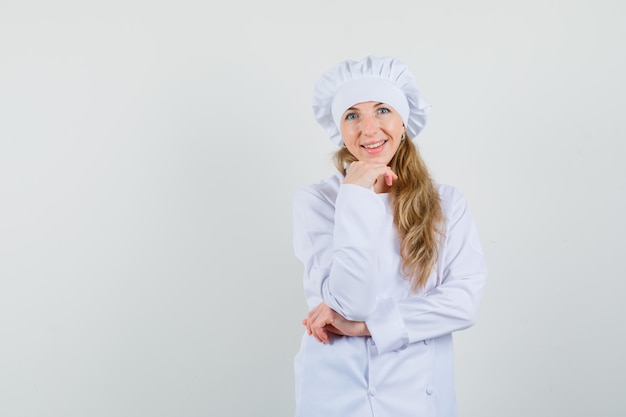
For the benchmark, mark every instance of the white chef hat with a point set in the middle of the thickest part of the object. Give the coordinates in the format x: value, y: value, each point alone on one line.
x: 382, y: 79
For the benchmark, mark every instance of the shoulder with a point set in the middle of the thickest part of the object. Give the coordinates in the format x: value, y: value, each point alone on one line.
x: 322, y: 192
x: 448, y: 193
x: 453, y: 201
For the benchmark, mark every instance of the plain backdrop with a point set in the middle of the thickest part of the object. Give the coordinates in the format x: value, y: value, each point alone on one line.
x: 150, y: 150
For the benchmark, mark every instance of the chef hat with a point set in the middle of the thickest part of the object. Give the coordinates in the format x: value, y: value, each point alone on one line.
x: 382, y: 79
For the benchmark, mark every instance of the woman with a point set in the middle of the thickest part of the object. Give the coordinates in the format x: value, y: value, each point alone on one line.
x: 392, y: 261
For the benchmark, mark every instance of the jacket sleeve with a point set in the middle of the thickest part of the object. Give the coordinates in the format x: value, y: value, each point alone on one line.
x: 448, y: 306
x: 336, y: 242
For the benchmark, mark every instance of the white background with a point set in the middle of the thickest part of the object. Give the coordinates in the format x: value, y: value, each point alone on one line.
x: 149, y: 152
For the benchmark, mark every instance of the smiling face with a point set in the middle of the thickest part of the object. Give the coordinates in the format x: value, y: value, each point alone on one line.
x: 372, y: 131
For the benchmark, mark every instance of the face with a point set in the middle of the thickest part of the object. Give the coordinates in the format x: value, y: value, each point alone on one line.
x: 372, y: 131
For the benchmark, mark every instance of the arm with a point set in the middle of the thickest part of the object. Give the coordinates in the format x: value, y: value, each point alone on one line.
x: 337, y: 245
x: 449, y: 306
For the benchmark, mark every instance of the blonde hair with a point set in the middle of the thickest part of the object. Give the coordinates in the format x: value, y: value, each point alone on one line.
x: 418, y: 215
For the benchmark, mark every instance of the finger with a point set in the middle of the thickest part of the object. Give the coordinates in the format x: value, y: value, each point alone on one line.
x: 317, y: 324
x: 316, y: 335
x: 314, y: 322
x: 305, y: 322
x: 322, y: 336
x: 318, y: 329
x: 313, y: 327
x: 390, y: 176
x: 311, y: 318
x: 328, y: 323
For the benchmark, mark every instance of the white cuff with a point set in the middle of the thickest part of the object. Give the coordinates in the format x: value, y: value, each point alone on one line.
x: 387, y: 327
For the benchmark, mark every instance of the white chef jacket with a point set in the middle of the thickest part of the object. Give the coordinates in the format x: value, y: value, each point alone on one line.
x: 345, y: 237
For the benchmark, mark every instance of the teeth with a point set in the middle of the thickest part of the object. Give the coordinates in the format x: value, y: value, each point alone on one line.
x: 374, y: 145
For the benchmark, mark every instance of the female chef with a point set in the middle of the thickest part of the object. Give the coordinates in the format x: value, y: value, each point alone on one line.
x: 392, y: 261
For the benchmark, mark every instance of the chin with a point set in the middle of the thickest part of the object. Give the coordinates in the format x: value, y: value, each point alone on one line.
x: 380, y: 159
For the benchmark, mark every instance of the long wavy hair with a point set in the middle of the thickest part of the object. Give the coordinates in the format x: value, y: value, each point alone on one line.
x: 418, y: 215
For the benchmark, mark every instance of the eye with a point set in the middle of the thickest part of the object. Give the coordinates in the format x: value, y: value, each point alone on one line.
x: 383, y: 110
x: 350, y: 116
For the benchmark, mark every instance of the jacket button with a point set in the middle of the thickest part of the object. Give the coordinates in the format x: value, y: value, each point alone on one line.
x: 429, y: 390
x: 372, y: 392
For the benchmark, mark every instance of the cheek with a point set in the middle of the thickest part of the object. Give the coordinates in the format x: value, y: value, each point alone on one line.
x: 351, y: 144
x: 346, y: 129
x: 352, y: 147
x: 348, y: 135
x: 393, y: 125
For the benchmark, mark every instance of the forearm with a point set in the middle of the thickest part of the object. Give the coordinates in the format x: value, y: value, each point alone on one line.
x: 359, y: 216
x: 450, y: 301
x: 446, y: 309
x: 338, y: 246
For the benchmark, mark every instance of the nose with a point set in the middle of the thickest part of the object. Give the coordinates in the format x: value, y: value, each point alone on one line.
x: 370, y: 125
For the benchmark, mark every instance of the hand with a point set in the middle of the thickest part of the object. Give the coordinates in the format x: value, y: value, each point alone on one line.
x: 367, y: 174
x: 323, y: 320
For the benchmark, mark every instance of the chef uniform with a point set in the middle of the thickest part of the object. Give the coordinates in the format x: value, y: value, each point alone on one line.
x: 345, y: 236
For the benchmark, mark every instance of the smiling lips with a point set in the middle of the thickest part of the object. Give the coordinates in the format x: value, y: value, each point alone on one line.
x: 375, y: 145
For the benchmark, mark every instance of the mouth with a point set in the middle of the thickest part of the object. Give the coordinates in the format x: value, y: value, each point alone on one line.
x: 374, y: 145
